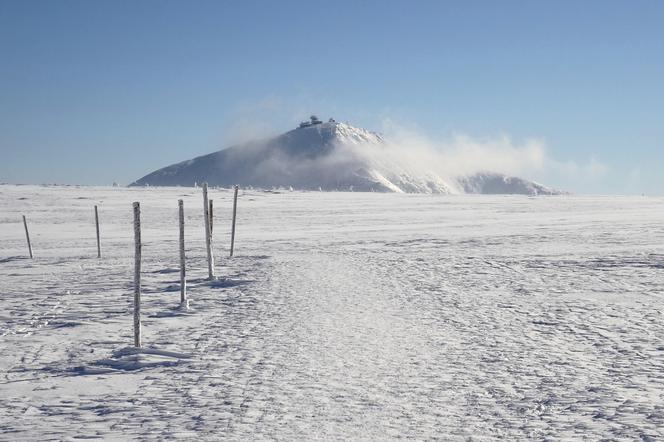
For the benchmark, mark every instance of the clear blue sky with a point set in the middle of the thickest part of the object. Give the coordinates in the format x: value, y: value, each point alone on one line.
x: 93, y: 92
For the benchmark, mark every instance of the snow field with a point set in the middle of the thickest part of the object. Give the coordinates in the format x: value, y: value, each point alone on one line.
x: 342, y: 316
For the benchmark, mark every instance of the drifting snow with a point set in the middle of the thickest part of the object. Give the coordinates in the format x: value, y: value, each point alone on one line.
x: 343, y: 316
x: 329, y: 156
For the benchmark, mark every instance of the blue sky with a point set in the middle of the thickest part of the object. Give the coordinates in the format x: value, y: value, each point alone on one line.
x: 93, y: 92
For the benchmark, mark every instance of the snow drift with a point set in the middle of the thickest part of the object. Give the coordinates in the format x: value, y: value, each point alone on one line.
x: 330, y: 156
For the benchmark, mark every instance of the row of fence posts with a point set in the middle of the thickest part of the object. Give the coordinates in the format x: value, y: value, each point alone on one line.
x: 209, y: 222
x: 27, y: 234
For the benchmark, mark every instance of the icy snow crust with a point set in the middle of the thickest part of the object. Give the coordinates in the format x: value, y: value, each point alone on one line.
x: 328, y: 156
x: 343, y: 316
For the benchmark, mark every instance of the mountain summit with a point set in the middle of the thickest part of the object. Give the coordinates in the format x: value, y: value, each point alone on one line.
x: 325, y: 156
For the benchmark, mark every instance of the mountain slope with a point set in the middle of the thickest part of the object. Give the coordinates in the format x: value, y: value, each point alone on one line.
x: 325, y: 156
x: 496, y: 183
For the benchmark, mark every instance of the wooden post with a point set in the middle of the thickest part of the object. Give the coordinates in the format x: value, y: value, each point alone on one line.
x: 208, y: 233
x: 27, y: 236
x: 137, y: 275
x: 211, y: 210
x: 97, y: 226
x: 233, y: 226
x: 183, y: 278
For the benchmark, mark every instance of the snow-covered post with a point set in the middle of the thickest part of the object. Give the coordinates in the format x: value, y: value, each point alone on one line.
x: 27, y: 236
x: 183, y: 278
x: 233, y: 226
x: 208, y: 233
x: 97, y: 226
x: 211, y: 210
x: 137, y: 275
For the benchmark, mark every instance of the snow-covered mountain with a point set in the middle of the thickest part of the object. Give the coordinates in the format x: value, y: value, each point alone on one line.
x: 326, y: 156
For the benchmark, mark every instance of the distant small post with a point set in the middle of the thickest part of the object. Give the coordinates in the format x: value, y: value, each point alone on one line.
x: 211, y: 210
x: 137, y: 274
x: 27, y: 236
x: 208, y: 233
x: 233, y: 226
x: 97, y: 226
x: 183, y: 278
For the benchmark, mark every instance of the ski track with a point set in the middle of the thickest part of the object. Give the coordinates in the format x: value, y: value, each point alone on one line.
x: 344, y: 316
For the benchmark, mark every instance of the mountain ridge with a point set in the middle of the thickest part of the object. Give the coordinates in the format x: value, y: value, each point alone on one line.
x: 327, y: 156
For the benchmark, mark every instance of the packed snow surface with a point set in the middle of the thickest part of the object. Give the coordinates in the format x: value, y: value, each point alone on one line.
x: 342, y: 316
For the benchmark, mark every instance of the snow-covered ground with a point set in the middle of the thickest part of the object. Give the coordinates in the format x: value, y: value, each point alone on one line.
x: 342, y: 315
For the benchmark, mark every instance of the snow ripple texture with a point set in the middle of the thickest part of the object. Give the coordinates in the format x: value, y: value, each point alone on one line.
x: 343, y: 316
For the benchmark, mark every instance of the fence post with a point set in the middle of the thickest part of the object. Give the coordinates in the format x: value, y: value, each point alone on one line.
x: 97, y: 226
x: 211, y: 210
x: 233, y: 226
x: 208, y: 236
x: 183, y: 278
x: 27, y: 236
x: 137, y: 275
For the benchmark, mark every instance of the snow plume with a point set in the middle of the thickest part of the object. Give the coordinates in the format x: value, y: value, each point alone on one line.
x: 463, y: 155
